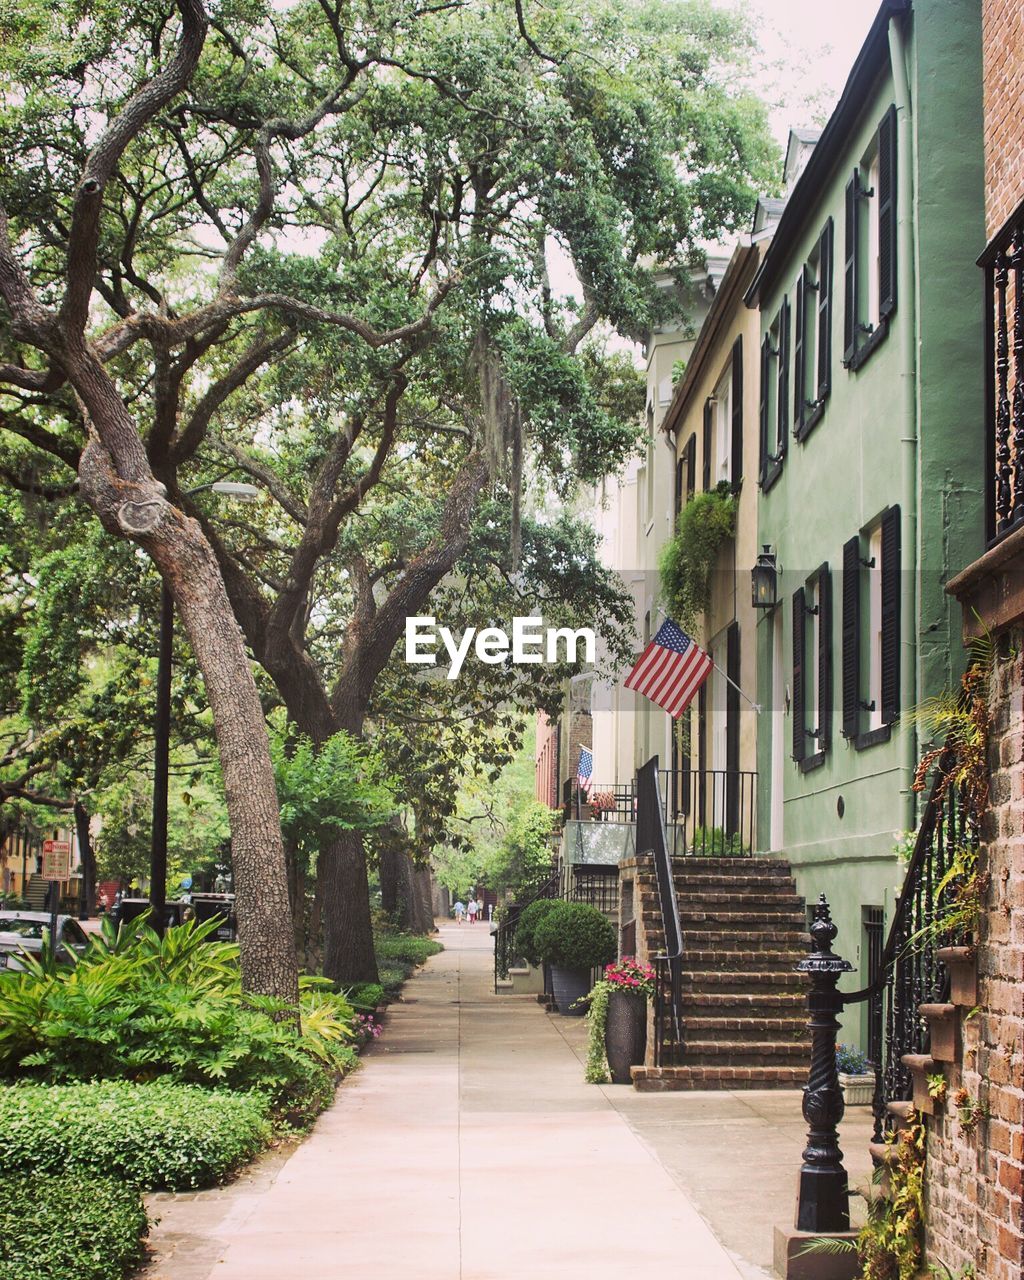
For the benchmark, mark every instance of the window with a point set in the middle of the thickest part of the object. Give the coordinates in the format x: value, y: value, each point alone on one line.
x: 812, y: 669
x: 774, y: 409
x: 812, y: 346
x: 871, y: 631
x: 870, y: 248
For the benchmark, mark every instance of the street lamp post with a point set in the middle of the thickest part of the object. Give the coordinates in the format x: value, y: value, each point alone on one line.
x: 162, y: 724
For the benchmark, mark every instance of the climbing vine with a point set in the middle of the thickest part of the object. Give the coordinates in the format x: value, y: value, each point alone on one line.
x: 689, y: 558
x: 890, y: 1242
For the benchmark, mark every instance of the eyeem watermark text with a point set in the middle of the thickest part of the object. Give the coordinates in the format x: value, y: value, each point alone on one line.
x: 531, y: 641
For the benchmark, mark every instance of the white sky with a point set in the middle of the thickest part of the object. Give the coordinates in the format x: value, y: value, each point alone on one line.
x: 812, y: 44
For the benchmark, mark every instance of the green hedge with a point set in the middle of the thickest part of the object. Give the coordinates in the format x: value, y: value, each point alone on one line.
x: 157, y: 1135
x: 68, y: 1227
x: 526, y: 927
x: 398, y: 954
x: 575, y: 935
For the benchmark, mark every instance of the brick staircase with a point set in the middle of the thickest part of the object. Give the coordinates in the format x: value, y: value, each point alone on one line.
x: 744, y: 1007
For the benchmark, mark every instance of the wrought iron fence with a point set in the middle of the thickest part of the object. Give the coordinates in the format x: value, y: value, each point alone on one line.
x: 602, y: 801
x: 505, y: 931
x: 1003, y: 264
x: 710, y: 812
x: 597, y: 884
x: 909, y: 971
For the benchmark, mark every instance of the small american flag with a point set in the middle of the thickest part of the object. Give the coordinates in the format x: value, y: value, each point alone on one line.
x: 586, y: 768
x: 671, y: 669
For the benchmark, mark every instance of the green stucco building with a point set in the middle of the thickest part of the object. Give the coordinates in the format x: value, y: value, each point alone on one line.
x: 870, y: 468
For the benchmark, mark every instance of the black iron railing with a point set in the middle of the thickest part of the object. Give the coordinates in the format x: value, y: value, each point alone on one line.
x: 597, y: 884
x: 505, y: 932
x: 651, y: 842
x: 1003, y: 263
x: 713, y: 811
x: 909, y: 971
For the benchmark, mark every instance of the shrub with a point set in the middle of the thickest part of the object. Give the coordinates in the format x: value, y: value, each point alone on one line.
x: 526, y: 928
x: 66, y: 1225
x: 575, y: 935
x: 398, y: 954
x: 158, y: 1135
x: 850, y: 1060
x: 138, y: 1006
x: 365, y: 996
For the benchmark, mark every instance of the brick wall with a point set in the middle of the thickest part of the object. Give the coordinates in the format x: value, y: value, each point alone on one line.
x: 1003, y: 36
x: 973, y: 1188
x: 547, y: 787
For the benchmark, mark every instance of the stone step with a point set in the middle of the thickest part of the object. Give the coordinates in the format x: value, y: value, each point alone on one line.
x: 689, y: 1078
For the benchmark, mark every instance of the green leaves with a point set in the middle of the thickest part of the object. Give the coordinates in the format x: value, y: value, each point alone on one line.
x: 687, y: 562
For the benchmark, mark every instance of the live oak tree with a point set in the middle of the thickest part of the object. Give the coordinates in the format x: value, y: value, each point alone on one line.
x: 311, y: 245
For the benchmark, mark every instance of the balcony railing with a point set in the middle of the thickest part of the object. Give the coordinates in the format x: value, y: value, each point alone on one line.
x: 604, y: 801
x: 1003, y: 263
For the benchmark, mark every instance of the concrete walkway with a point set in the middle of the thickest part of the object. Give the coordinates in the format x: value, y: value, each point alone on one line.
x: 469, y: 1148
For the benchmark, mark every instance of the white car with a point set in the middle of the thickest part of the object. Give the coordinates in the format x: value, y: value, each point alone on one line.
x: 24, y: 931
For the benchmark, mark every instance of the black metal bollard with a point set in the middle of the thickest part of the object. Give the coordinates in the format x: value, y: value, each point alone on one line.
x: 823, y: 1202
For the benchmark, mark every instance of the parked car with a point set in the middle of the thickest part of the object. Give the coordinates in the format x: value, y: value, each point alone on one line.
x: 208, y: 905
x: 131, y: 908
x: 24, y: 931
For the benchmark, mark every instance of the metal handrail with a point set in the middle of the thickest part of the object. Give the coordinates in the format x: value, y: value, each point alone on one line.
x: 650, y: 839
x: 505, y: 931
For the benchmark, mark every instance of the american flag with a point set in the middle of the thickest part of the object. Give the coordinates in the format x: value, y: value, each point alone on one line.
x: 586, y: 768
x: 671, y: 669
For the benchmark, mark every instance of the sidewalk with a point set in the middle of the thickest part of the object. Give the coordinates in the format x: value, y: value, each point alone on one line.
x: 469, y: 1148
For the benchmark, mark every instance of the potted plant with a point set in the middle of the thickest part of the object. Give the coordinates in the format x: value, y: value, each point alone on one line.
x: 618, y: 1021
x: 855, y: 1076
x: 574, y: 938
x: 601, y: 802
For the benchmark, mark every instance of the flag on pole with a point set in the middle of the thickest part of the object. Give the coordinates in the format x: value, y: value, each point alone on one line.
x: 586, y: 768
x: 671, y: 669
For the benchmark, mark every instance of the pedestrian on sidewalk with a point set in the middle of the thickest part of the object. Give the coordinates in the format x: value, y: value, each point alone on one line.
x: 460, y: 911
x: 471, y: 910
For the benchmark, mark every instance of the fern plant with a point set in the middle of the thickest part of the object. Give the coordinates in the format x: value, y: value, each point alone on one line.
x: 688, y: 560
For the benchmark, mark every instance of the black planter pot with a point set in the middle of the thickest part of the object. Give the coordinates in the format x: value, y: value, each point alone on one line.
x: 625, y: 1034
x: 569, y: 986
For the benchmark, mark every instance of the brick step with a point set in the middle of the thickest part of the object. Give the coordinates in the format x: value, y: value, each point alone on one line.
x: 756, y: 901
x: 726, y: 1003
x: 738, y: 961
x: 746, y: 940
x: 788, y: 920
x: 748, y: 1030
x: 734, y: 884
x: 691, y: 863
x: 689, y: 1078
x: 711, y: 979
x: 747, y: 1053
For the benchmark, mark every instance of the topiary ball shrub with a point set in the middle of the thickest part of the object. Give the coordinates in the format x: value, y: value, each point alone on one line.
x: 154, y: 1135
x: 575, y: 935
x: 526, y: 928
x: 67, y: 1225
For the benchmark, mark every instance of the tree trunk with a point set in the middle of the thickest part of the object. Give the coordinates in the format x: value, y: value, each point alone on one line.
x: 130, y: 502
x: 424, y: 887
x: 296, y: 869
x: 348, y: 935
x: 87, y: 897
x: 388, y: 871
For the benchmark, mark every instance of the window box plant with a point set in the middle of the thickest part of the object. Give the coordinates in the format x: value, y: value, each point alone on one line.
x: 602, y: 803
x: 855, y: 1076
x: 574, y: 938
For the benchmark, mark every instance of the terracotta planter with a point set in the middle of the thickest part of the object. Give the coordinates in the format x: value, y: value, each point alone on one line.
x: 625, y: 1034
x: 570, y: 986
x: 962, y: 964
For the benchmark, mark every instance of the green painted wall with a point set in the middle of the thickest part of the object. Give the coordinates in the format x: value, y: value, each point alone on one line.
x: 923, y: 383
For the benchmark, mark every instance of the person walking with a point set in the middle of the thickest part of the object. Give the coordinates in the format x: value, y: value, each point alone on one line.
x: 471, y: 910
x: 460, y: 911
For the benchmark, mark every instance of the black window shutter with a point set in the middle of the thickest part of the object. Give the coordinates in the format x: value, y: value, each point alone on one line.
x: 799, y: 370
x: 763, y: 410
x: 850, y: 271
x: 702, y: 752
x: 736, y: 463
x: 691, y: 465
x: 887, y: 214
x: 783, y: 393
x: 890, y: 615
x: 680, y: 482
x: 706, y: 446
x: 732, y: 730
x: 851, y: 637
x: 824, y: 658
x: 825, y: 312
x: 799, y: 719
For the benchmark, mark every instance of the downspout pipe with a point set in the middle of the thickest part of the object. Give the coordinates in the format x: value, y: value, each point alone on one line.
x: 910, y: 602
